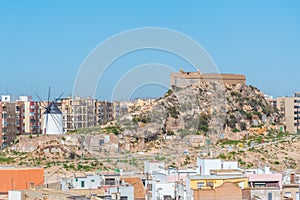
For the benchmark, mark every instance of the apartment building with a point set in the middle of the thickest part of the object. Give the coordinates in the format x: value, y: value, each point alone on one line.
x: 78, y: 112
x: 10, y: 122
x: 18, y: 116
x: 290, y: 109
x: 104, y: 112
x: 31, y: 119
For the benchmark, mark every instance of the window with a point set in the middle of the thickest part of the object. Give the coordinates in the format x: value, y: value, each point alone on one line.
x: 269, y: 196
x: 76, y: 179
x: 259, y: 185
x: 109, y: 181
x: 82, y: 184
x: 200, y: 185
x: 149, y: 186
x: 297, y: 196
x: 93, y: 180
x: 288, y: 194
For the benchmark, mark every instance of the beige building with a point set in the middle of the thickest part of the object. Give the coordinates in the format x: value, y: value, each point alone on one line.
x: 291, y: 185
x: 120, y: 108
x: 104, y: 112
x: 78, y: 112
x: 84, y: 112
x: 290, y: 109
x: 32, y: 115
x: 184, y: 79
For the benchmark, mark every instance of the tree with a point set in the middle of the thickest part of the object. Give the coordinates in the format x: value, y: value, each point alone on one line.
x: 243, y: 126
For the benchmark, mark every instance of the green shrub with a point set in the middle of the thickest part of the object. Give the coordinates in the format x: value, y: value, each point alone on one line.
x: 243, y: 126
x: 276, y: 163
x: 235, y: 130
x: 170, y: 133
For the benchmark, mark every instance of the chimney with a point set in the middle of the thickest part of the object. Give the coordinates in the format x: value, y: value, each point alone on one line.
x: 292, y: 179
x: 267, y: 170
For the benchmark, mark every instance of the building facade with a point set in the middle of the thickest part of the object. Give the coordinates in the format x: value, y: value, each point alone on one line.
x: 218, y: 187
x: 104, y: 112
x: 77, y: 112
x: 265, y: 186
x: 120, y: 109
x: 32, y: 115
x: 12, y: 119
x: 205, y: 166
x: 289, y: 107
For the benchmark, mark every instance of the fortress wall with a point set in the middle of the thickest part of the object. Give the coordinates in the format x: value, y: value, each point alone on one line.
x: 183, y: 79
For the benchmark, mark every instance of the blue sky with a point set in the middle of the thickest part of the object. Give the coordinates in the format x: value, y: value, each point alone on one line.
x: 43, y: 43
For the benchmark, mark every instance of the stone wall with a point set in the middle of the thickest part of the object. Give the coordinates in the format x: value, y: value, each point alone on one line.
x: 184, y: 79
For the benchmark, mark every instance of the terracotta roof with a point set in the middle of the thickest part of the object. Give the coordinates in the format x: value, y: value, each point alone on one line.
x: 136, y: 182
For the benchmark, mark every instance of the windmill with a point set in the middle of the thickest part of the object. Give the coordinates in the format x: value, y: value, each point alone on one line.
x: 53, y: 124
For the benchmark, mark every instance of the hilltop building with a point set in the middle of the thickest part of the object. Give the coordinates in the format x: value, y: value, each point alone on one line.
x: 183, y: 79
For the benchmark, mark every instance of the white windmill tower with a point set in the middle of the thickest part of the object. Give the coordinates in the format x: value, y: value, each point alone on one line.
x: 53, y: 124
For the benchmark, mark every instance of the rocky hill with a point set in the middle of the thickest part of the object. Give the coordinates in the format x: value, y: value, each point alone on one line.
x: 233, y: 122
x: 210, y: 109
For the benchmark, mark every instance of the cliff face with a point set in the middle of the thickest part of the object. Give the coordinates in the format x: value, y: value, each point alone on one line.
x: 210, y: 109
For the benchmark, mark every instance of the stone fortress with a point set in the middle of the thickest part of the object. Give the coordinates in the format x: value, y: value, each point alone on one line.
x: 183, y: 79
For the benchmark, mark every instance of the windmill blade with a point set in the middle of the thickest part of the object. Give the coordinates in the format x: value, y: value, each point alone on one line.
x: 49, y: 91
x: 55, y: 100
x: 44, y: 105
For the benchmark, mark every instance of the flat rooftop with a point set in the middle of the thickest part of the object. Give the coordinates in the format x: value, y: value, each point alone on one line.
x: 214, y: 177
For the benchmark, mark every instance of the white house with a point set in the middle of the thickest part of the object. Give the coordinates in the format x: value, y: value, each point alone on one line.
x: 81, y: 181
x: 153, y: 166
x: 163, y: 190
x: 205, y: 165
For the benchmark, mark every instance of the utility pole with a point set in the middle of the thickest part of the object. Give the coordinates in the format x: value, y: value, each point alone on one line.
x: 147, y: 185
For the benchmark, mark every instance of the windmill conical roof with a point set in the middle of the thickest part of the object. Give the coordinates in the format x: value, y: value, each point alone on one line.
x: 52, y: 109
